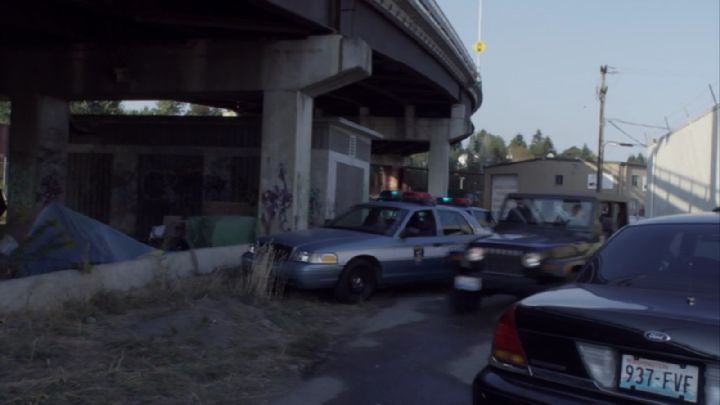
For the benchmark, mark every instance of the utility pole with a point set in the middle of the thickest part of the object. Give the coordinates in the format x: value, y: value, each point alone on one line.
x: 601, y: 140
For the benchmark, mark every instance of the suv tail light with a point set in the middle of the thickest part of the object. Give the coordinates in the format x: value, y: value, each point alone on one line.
x: 507, y: 346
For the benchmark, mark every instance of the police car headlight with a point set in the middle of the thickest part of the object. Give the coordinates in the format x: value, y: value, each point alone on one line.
x: 315, y: 258
x: 532, y: 259
x: 474, y: 254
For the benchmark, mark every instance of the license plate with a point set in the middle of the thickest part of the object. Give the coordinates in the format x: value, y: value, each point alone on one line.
x: 659, y: 377
x: 468, y: 283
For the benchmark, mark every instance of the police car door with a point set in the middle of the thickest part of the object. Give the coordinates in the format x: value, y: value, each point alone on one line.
x: 418, y: 238
x: 455, y: 233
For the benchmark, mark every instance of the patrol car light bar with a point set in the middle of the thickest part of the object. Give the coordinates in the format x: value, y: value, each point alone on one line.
x: 417, y: 196
x: 460, y: 202
x: 408, y: 196
x: 390, y: 195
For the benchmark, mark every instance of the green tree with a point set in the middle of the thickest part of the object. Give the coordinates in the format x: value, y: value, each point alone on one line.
x: 639, y: 159
x: 518, y: 149
x: 418, y: 160
x: 541, y: 146
x: 572, y: 152
x: 548, y: 146
x: 96, y: 107
x: 485, y: 149
x: 203, y: 110
x: 536, y: 144
x: 4, y: 112
x: 456, y: 152
x: 519, y: 140
x: 587, y: 154
x: 168, y: 107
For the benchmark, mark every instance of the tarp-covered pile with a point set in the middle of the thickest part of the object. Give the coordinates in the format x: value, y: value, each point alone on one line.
x: 61, y: 239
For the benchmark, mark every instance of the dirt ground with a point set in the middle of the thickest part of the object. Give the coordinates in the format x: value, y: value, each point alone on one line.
x: 197, y: 340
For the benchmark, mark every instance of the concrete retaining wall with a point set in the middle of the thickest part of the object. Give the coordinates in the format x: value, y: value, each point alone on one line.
x: 48, y: 291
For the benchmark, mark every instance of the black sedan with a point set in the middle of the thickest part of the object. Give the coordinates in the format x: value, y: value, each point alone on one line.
x: 641, y: 325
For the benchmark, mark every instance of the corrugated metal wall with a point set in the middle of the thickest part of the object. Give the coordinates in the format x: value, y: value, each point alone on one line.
x: 90, y: 189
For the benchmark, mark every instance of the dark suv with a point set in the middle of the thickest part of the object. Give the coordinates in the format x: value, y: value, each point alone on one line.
x: 540, y: 241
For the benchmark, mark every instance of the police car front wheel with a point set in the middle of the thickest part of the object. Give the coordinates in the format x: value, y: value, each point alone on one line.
x: 357, y: 282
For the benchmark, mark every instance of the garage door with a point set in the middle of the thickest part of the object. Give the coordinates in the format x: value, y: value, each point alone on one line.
x: 502, y: 185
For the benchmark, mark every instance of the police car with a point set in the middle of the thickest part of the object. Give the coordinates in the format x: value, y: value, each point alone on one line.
x: 400, y: 238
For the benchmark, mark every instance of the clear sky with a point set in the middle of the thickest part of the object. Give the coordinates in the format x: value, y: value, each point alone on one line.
x: 541, y: 67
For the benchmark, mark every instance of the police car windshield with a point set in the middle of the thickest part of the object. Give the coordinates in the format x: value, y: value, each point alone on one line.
x: 557, y: 212
x: 371, y: 219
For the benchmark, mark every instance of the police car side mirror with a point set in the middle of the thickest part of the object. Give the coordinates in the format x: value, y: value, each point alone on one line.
x: 409, y: 232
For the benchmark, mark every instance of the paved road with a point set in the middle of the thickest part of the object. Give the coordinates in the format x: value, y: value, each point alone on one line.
x: 411, y: 352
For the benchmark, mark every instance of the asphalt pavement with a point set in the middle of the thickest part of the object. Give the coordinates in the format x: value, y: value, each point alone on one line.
x: 413, y: 351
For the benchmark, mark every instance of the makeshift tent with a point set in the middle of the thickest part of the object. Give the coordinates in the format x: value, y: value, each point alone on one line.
x: 61, y: 239
x: 213, y: 231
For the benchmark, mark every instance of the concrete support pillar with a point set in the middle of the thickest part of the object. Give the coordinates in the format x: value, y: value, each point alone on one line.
x: 293, y: 73
x: 410, y: 122
x: 37, y: 166
x: 438, y: 164
x: 285, y: 161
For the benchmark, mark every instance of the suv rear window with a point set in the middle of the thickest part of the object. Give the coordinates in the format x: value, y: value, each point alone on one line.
x: 674, y: 257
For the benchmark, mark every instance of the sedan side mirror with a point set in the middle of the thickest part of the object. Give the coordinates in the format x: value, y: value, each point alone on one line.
x: 409, y: 232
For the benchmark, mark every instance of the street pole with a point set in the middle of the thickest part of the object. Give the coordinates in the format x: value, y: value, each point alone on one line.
x: 479, y: 36
x: 601, y: 94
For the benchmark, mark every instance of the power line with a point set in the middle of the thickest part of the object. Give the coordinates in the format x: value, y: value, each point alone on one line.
x: 626, y: 134
x: 636, y: 124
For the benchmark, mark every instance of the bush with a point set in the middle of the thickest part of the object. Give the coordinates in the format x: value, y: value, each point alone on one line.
x: 262, y: 281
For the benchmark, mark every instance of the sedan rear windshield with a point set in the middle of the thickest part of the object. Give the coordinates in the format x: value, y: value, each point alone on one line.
x: 371, y: 219
x: 674, y: 257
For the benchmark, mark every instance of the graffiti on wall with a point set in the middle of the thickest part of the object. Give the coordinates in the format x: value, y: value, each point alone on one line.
x: 276, y: 204
x: 52, y: 175
x: 50, y: 188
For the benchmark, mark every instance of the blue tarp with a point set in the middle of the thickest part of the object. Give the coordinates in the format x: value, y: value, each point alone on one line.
x: 62, y: 239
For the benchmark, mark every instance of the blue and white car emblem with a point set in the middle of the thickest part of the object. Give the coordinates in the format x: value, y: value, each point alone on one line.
x: 657, y: 336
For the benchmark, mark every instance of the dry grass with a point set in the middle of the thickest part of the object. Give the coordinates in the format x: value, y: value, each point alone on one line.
x: 199, y: 340
x: 261, y: 281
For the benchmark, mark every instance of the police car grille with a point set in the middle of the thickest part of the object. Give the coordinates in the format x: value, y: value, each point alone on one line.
x: 503, y: 264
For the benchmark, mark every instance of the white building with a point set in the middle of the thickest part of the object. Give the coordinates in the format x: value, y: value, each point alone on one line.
x: 683, y: 169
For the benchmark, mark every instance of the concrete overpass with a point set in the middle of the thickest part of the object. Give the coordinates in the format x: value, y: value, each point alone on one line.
x: 322, y: 77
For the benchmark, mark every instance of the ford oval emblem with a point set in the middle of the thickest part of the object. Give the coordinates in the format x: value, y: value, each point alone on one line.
x: 657, y: 336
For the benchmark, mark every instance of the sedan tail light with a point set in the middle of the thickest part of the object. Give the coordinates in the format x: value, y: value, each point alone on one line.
x: 507, y: 346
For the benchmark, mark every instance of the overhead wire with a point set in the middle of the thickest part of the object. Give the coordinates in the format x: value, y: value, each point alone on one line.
x: 636, y: 124
x: 611, y: 122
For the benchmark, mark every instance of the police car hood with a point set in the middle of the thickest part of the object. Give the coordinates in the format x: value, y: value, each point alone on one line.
x: 314, y: 240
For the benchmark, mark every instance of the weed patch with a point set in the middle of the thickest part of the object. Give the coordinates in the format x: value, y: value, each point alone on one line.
x: 198, y: 340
